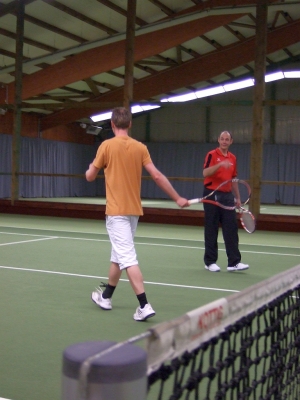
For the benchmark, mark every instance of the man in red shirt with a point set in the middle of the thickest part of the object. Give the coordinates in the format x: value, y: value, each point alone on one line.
x: 220, y: 166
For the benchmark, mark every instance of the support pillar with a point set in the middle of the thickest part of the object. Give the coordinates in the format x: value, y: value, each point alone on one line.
x: 129, y: 57
x: 17, y: 125
x: 258, y: 107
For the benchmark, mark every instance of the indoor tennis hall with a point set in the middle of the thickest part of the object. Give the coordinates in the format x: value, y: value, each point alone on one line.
x: 191, y: 72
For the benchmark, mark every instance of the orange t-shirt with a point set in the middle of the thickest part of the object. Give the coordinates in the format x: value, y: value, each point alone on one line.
x: 122, y: 159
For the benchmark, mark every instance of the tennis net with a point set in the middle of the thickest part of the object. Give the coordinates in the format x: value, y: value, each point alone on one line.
x: 245, y: 346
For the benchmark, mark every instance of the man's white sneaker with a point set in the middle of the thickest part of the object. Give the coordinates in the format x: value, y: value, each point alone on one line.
x: 212, y: 268
x: 97, y: 298
x: 238, y: 267
x: 142, y: 314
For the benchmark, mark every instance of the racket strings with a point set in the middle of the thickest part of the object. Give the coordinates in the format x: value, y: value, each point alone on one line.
x: 244, y: 192
x: 248, y: 221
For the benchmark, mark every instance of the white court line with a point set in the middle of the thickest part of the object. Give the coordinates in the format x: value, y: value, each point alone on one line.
x: 54, y: 237
x: 105, y: 277
x: 158, y: 244
x: 28, y: 241
x: 191, y: 247
x: 136, y: 237
x: 2, y: 398
x: 268, y: 253
x: 24, y: 234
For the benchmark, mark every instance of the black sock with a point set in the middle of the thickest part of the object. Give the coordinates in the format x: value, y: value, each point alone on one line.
x: 142, y: 299
x: 108, y: 292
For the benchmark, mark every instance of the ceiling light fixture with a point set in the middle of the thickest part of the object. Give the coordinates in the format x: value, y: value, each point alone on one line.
x: 274, y: 76
x: 134, y: 109
x: 209, y: 92
x: 212, y: 91
x: 238, y: 85
x: 291, y: 74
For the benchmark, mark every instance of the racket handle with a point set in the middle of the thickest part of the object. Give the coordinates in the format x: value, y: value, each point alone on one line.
x: 194, y: 201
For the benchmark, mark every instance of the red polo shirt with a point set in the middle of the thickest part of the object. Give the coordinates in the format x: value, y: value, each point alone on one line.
x: 223, y: 174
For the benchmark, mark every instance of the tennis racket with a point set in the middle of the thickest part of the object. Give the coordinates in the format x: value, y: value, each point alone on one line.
x: 247, y: 220
x: 218, y: 198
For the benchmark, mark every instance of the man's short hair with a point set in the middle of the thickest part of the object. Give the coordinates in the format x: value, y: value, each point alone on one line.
x: 226, y: 132
x: 121, y: 117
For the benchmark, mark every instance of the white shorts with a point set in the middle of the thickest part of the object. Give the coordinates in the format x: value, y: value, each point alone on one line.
x: 121, y: 230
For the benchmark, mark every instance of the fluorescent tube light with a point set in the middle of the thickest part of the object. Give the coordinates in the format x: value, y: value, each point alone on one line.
x: 274, y: 77
x: 209, y: 92
x: 134, y: 109
x: 238, y: 85
x: 182, y: 97
x: 204, y: 93
x: 101, y: 117
x: 149, y: 107
x: 291, y: 74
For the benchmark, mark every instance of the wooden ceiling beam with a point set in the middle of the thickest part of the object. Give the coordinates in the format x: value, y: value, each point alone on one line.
x: 170, y: 13
x: 30, y: 42
x: 191, y: 52
x: 215, y: 63
x: 105, y: 58
x: 215, y: 4
x: 105, y: 85
x: 212, y: 42
x: 178, y: 55
x: 116, y: 74
x: 10, y: 54
x: 121, y: 11
x: 92, y: 85
x: 188, y: 73
x: 81, y: 17
x: 145, y: 68
x: 167, y: 63
x: 89, y: 105
x: 237, y: 34
x: 54, y: 29
x: 162, y: 7
x: 61, y: 97
x: 76, y: 91
x: 11, y: 7
x: 239, y: 24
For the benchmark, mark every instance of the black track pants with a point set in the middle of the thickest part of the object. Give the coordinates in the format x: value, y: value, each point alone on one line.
x: 214, y: 216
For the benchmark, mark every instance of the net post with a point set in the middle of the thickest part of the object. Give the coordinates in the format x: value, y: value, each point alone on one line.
x: 104, y: 370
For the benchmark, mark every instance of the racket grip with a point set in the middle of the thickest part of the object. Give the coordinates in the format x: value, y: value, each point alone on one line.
x: 193, y: 201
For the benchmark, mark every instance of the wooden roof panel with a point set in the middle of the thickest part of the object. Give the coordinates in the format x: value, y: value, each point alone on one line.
x: 66, y: 30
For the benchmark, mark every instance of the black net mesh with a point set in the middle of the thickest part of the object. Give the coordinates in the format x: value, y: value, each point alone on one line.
x: 256, y: 358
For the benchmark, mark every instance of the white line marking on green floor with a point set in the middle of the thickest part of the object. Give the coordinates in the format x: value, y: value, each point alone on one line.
x: 28, y: 241
x: 136, y: 237
x: 163, y: 245
x: 124, y: 280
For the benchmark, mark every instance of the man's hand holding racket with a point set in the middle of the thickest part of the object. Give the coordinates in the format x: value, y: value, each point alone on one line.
x: 182, y: 202
x: 241, y: 192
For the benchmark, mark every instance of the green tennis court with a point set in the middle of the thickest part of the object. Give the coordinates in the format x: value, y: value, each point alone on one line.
x: 49, y: 267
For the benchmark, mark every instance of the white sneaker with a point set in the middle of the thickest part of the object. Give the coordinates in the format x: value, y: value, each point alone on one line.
x: 238, y: 267
x: 142, y: 314
x: 97, y: 298
x: 213, y: 268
